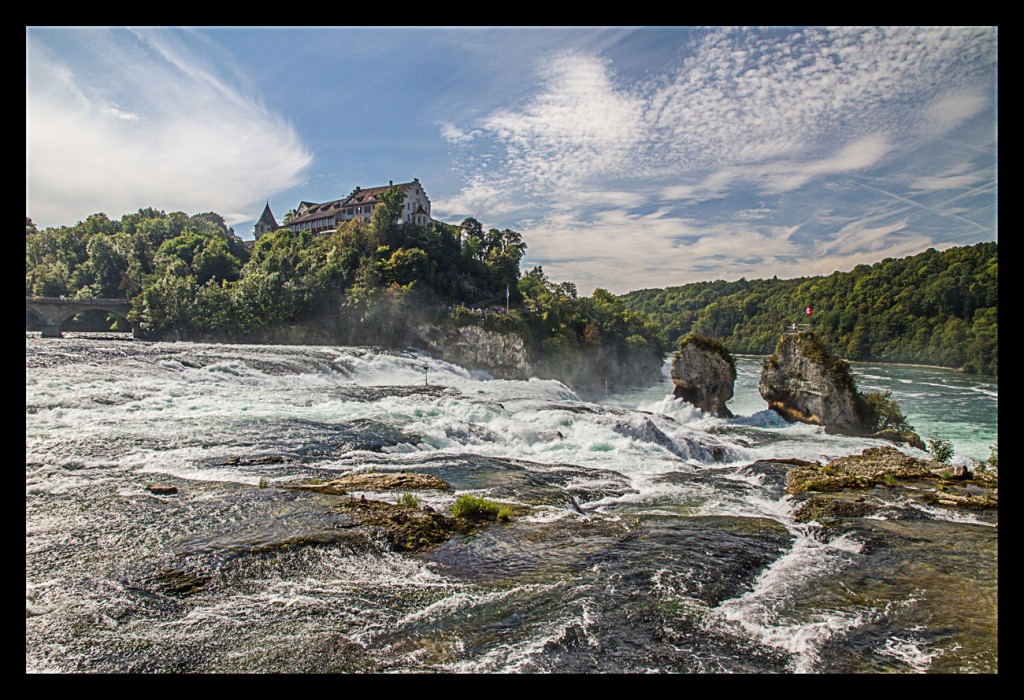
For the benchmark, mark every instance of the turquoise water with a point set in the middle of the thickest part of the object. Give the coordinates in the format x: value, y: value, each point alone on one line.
x: 961, y: 408
x: 650, y: 540
x: 939, y: 403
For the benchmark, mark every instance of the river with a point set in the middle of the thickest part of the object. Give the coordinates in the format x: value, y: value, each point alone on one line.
x: 649, y: 540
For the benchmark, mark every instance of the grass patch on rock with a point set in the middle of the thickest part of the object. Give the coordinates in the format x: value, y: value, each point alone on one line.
x: 476, y: 508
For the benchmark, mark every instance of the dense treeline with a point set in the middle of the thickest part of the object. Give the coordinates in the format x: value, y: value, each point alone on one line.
x: 936, y: 308
x: 191, y: 277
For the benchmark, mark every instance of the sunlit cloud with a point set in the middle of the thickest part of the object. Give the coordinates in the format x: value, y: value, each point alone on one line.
x: 453, y: 134
x: 620, y: 251
x: 856, y: 236
x: 951, y: 110
x: 805, y: 114
x: 138, y: 120
x: 579, y: 124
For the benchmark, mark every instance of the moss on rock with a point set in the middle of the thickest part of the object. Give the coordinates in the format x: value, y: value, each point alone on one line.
x: 404, y: 529
x: 823, y: 508
x: 877, y: 466
x: 373, y: 481
x: 707, y: 344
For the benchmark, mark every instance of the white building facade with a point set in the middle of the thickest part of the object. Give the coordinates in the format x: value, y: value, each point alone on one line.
x: 311, y: 216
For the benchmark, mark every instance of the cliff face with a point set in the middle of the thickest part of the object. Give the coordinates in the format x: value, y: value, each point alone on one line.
x: 502, y: 355
x: 803, y: 382
x: 704, y: 376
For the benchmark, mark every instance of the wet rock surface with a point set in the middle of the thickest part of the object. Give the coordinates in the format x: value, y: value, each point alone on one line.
x: 882, y: 481
x: 875, y: 465
x: 161, y: 489
x: 373, y: 481
x: 704, y: 375
x: 803, y: 382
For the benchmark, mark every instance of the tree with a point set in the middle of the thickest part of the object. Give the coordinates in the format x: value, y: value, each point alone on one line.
x: 880, y: 411
x: 941, y: 449
x: 387, y: 216
x: 471, y: 228
x: 107, y: 265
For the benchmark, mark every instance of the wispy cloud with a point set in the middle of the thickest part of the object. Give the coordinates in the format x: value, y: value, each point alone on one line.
x: 119, y: 120
x: 951, y: 110
x: 954, y: 178
x: 784, y: 115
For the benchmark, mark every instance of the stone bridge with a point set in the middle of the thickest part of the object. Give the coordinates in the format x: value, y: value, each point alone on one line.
x: 56, y: 310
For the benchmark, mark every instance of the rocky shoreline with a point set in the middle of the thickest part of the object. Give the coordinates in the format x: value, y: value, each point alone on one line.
x: 853, y: 486
x: 846, y: 487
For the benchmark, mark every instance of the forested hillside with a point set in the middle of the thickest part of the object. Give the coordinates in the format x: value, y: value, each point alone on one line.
x: 191, y: 278
x: 936, y: 308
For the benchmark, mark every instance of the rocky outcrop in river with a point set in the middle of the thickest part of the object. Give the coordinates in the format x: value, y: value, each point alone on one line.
x: 504, y: 355
x: 704, y: 372
x: 848, y: 487
x: 804, y: 382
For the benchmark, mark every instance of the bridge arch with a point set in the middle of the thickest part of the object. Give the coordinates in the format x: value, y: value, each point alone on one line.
x: 55, y: 311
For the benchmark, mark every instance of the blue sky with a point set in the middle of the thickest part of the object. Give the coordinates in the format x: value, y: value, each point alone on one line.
x: 628, y: 158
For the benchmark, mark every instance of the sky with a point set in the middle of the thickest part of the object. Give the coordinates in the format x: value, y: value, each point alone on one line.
x: 627, y: 157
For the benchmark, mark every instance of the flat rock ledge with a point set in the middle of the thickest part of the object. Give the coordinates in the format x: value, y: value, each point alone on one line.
x: 162, y: 489
x: 405, y: 527
x: 373, y: 481
x: 878, y: 465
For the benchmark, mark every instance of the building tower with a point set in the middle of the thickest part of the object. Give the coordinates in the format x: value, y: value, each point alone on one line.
x: 267, y: 222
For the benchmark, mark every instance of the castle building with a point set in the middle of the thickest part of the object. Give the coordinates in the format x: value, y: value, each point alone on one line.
x: 311, y: 216
x: 267, y: 222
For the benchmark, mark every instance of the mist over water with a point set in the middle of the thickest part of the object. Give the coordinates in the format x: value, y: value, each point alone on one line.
x: 962, y: 408
x: 652, y: 542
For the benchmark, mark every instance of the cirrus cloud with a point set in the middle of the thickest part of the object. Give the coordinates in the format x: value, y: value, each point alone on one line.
x: 139, y: 118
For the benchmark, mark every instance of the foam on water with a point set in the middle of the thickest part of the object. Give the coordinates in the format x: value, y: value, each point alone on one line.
x: 189, y: 411
x: 910, y: 650
x: 769, y: 612
x: 524, y: 655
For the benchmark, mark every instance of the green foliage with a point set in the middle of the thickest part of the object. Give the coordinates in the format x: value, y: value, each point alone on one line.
x: 469, y: 506
x: 881, y: 412
x: 263, y: 483
x: 387, y: 215
x: 408, y: 501
x: 814, y: 348
x: 937, y: 308
x: 191, y: 278
x: 107, y: 258
x: 940, y: 449
x: 586, y: 341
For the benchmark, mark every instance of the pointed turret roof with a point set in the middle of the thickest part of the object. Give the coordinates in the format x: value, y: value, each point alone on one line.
x: 267, y: 218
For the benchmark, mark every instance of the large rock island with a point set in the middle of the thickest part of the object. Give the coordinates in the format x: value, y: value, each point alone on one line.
x: 804, y: 382
x: 704, y: 372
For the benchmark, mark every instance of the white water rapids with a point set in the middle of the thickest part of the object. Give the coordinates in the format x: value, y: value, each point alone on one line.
x: 662, y: 549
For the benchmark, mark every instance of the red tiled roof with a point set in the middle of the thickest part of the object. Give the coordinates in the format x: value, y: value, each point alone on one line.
x: 372, y: 195
x: 359, y: 197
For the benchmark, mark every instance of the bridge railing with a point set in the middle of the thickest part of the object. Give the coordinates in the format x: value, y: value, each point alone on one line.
x: 794, y: 328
